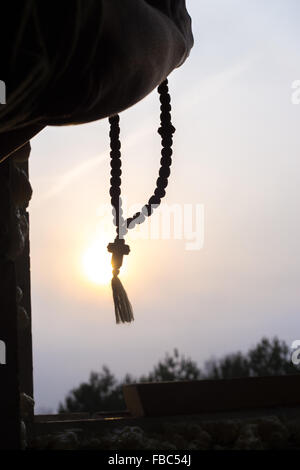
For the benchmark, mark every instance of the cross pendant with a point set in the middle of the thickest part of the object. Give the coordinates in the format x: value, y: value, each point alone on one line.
x: 118, y: 249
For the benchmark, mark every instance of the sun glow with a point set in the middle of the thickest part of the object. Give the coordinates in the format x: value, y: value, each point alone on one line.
x: 96, y: 263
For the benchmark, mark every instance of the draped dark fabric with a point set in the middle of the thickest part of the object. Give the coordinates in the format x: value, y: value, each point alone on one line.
x: 75, y: 61
x: 47, y: 57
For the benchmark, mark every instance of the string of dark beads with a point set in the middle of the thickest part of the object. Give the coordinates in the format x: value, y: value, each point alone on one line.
x: 116, y: 172
x: 166, y: 131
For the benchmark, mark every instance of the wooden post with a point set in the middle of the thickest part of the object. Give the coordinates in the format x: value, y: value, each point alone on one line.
x: 22, y: 267
x: 16, y: 381
x: 9, y: 371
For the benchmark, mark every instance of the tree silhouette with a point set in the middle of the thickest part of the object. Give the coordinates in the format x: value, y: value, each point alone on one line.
x: 230, y: 366
x: 103, y: 392
x: 173, y: 367
x: 268, y: 357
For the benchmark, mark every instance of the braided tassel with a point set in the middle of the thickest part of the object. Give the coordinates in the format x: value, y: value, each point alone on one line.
x: 123, y: 308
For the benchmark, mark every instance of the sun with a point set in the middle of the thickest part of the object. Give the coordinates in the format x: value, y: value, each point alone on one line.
x: 96, y: 263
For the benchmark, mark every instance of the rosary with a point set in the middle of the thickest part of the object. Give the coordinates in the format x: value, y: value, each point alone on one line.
x: 118, y: 248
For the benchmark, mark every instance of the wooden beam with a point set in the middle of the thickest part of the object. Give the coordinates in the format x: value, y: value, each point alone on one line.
x: 175, y: 398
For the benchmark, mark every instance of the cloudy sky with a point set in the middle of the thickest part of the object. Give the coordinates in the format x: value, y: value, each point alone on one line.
x: 236, y: 159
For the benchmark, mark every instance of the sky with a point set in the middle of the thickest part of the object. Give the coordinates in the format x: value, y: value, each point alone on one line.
x: 235, y: 177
